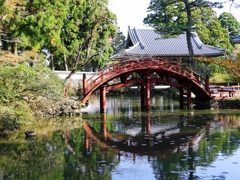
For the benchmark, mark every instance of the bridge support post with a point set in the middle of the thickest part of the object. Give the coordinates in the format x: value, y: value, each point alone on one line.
x: 86, y: 141
x: 104, y: 126
x: 148, y: 125
x: 181, y: 98
x: 142, y: 98
x: 189, y: 98
x: 145, y: 95
x: 187, y: 92
x: 84, y: 84
x: 207, y: 84
x: 103, y: 99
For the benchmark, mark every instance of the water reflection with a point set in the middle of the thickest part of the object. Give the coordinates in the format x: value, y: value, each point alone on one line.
x: 173, y: 147
x: 128, y: 144
x: 150, y: 137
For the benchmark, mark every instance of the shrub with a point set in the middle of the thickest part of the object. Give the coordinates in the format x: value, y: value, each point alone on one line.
x: 21, y: 86
x: 222, y: 78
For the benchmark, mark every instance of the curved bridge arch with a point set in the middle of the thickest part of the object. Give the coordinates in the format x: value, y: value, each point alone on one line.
x: 155, y: 70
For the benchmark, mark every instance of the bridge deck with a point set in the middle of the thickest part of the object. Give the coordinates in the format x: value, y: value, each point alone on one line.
x: 217, y: 92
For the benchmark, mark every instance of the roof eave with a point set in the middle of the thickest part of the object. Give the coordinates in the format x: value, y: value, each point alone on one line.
x: 127, y: 55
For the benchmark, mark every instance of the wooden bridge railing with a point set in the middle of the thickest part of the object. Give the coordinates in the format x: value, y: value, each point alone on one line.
x: 224, y: 91
x: 133, y: 65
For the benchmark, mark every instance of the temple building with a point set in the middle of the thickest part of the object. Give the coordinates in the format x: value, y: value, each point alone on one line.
x: 146, y: 42
x: 235, y: 39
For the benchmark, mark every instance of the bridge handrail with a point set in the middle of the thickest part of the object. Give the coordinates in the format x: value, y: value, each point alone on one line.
x: 114, y: 69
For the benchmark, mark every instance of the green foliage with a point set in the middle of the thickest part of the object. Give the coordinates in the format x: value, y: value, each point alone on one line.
x: 21, y: 86
x: 22, y: 83
x: 230, y: 23
x: 73, y: 32
x: 119, y: 42
x: 209, y: 28
x: 222, y: 78
x: 11, y: 117
x: 8, y: 119
x: 172, y: 18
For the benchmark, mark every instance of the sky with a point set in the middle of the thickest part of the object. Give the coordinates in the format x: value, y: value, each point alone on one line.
x: 132, y: 12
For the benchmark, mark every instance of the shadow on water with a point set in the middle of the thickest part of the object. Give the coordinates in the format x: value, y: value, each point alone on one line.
x: 125, y: 143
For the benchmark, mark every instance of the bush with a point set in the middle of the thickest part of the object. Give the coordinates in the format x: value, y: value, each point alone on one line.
x: 21, y: 86
x: 8, y: 119
x: 222, y: 78
x: 11, y: 117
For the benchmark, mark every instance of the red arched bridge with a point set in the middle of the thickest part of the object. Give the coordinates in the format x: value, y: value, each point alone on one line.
x: 147, y: 72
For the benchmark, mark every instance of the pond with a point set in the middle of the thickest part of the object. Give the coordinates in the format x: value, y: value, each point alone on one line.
x: 125, y: 143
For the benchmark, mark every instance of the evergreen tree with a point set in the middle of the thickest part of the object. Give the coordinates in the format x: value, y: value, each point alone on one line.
x: 230, y: 23
x: 73, y: 32
x: 209, y: 28
x: 172, y: 17
x: 119, y: 42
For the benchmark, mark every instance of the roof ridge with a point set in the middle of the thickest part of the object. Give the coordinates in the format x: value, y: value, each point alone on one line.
x: 213, y: 47
x: 132, y: 47
x: 139, y: 39
x: 142, y: 42
x: 197, y: 40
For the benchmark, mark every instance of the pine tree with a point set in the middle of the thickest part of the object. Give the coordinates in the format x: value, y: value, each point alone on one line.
x: 230, y: 23
x: 172, y: 17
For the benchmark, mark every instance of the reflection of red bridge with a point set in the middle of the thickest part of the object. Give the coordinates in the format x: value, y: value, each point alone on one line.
x: 147, y: 72
x: 146, y: 142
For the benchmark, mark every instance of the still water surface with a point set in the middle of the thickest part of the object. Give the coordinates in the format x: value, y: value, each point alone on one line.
x: 125, y: 143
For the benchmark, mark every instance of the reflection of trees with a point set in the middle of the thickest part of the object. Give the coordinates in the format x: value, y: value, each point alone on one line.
x: 91, y: 162
x: 200, y: 148
x: 79, y: 156
x: 33, y: 159
x: 166, y: 158
x: 222, y: 138
x: 56, y: 157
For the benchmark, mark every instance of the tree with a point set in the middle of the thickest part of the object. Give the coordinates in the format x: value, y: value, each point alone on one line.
x: 230, y: 23
x: 118, y: 42
x: 21, y: 89
x: 87, y: 33
x: 92, y: 41
x: 172, y: 17
x: 209, y: 28
x: 233, y: 3
x: 74, y: 32
x: 2, y: 14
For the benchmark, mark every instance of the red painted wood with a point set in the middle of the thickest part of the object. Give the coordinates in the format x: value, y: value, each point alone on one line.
x: 189, y: 98
x: 163, y: 67
x: 85, y: 85
x: 103, y: 99
x: 147, y: 94
x: 181, y: 98
x: 142, y: 98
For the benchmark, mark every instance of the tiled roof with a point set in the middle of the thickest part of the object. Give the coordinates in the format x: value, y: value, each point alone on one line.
x: 235, y: 39
x: 147, y: 42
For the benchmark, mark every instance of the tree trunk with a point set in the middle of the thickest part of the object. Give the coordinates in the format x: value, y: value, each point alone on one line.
x: 65, y: 61
x: 189, y: 34
x: 4, y: 45
x: 52, y: 62
x: 67, y: 82
x: 14, y: 48
x: 79, y: 68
